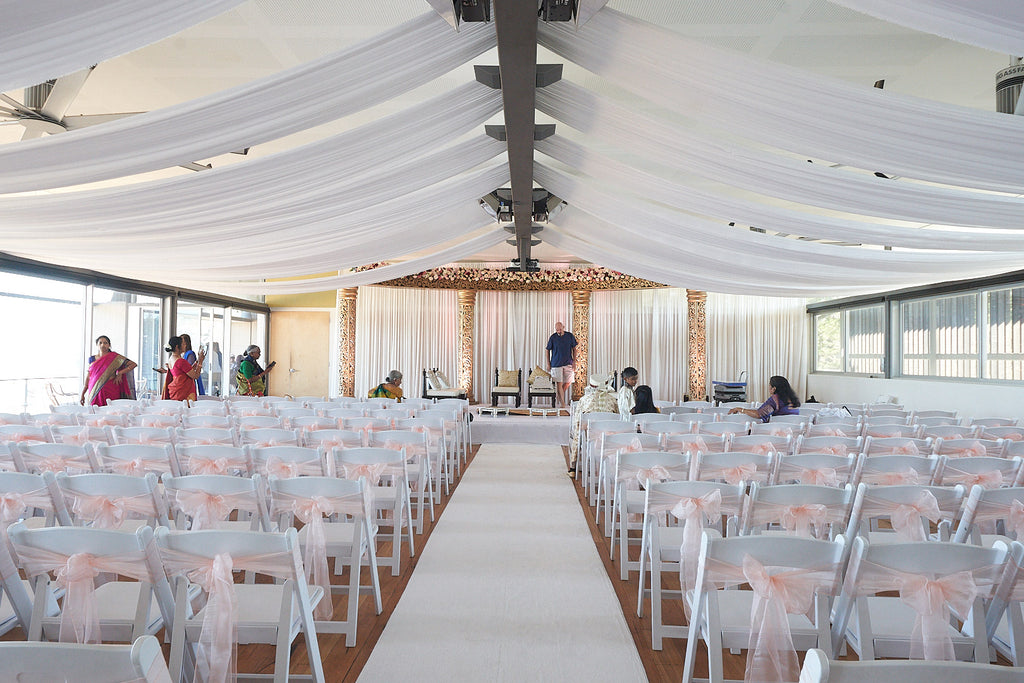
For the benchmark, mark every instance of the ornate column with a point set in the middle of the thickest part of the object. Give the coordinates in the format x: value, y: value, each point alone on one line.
x: 467, y: 306
x: 581, y: 329
x: 346, y: 307
x: 696, y: 323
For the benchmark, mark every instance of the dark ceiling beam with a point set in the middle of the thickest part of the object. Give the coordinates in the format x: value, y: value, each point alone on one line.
x: 516, y: 25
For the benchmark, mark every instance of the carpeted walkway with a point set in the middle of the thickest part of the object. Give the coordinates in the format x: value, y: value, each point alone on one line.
x: 510, y: 587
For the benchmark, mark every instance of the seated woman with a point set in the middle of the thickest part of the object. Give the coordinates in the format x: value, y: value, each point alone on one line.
x: 389, y: 388
x: 783, y: 401
x: 644, y: 398
x: 250, y: 377
x: 109, y: 376
x: 180, y: 384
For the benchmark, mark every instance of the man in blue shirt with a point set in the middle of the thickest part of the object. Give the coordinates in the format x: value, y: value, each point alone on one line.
x: 561, y: 350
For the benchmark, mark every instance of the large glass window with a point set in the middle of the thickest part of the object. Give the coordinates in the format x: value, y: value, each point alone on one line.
x: 132, y: 321
x: 940, y: 336
x: 247, y: 327
x: 42, y: 344
x: 828, y: 342
x: 205, y: 324
x: 851, y: 340
x: 1004, y: 331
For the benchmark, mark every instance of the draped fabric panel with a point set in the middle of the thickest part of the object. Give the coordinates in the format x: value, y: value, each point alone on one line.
x: 404, y: 329
x: 764, y: 336
x: 794, y: 109
x: 996, y: 25
x: 46, y: 39
x: 511, y: 331
x: 296, y: 99
x: 643, y: 328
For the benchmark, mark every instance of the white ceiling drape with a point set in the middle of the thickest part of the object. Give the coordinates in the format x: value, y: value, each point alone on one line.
x: 793, y: 109
x: 992, y: 24
x: 296, y: 99
x: 45, y: 39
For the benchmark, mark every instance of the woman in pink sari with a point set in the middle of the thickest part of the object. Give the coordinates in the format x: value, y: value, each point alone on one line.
x: 180, y: 382
x: 109, y: 376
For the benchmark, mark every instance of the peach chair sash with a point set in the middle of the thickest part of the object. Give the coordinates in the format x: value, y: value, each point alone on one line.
x: 763, y: 448
x: 1012, y: 512
x: 906, y: 517
x: 987, y: 479
x: 692, y: 512
x: 372, y: 471
x: 690, y: 443
x: 76, y: 573
x: 286, y: 469
x: 975, y: 449
x: 818, y: 476
x: 198, y: 464
x: 310, y: 511
x: 834, y: 449
x: 413, y: 452
x: 908, y: 476
x: 138, y: 467
x: 732, y: 475
x: 109, y: 420
x: 636, y: 477
x: 831, y: 431
x: 56, y: 463
x: 21, y: 437
x: 208, y: 510
x: 771, y: 655
x: 110, y: 512
x: 809, y: 520
x: 147, y: 439
x: 14, y: 505
x: 932, y: 598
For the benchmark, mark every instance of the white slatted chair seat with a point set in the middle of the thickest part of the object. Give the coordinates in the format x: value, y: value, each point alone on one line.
x: 264, y: 437
x: 888, y: 431
x: 761, y: 444
x: 140, y: 662
x: 25, y: 434
x: 891, y: 470
x: 112, y: 611
x: 805, y: 510
x: 333, y: 438
x: 967, y: 448
x: 111, y: 501
x: 633, y: 471
x: 273, y: 613
x: 387, y: 473
x: 207, y: 422
x: 216, y: 458
x: 208, y: 501
x: 53, y: 457
x: 821, y: 469
x: 785, y: 610
x: 349, y: 539
x: 910, y: 510
x: 1000, y: 510
x: 285, y: 462
x: 206, y: 436
x: 896, y: 446
x: 733, y: 468
x: 608, y: 449
x: 984, y: 471
x: 137, y: 460
x: 675, y: 514
x: 837, y: 445
x: 936, y: 581
x: 424, y: 478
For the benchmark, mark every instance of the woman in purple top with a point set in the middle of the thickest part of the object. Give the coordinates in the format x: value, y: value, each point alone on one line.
x: 783, y: 401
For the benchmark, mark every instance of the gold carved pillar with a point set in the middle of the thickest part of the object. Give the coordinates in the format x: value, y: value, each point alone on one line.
x: 346, y: 307
x: 696, y: 323
x: 581, y: 330
x: 467, y: 306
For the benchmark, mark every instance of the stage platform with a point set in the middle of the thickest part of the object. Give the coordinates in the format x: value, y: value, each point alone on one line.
x: 521, y: 428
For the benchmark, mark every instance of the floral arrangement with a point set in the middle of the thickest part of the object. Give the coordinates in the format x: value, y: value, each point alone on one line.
x: 572, y: 278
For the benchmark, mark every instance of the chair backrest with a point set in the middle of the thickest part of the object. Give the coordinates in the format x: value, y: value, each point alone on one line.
x: 777, y: 429
x: 378, y: 403
x: 207, y: 408
x: 910, y: 509
x: 679, y: 411
x: 350, y: 461
x: 950, y: 432
x: 415, y: 404
x: 838, y: 445
x: 208, y: 422
x: 51, y: 419
x: 899, y: 469
x: 269, y: 437
x: 897, y: 445
x: 988, y: 505
x: 994, y: 422
x: 696, y: 419
x: 205, y: 501
x: 339, y: 413
x: 199, y: 436
x: 760, y: 443
x: 333, y: 438
x: 934, y: 413
x: 633, y: 470
x: 365, y: 424
x: 610, y: 444
x: 23, y: 494
x: 107, y: 501
x: 886, y: 410
x: 143, y: 435
x: 1007, y: 433
x: 839, y: 427
x: 53, y: 457
x: 801, y: 509
x: 720, y: 428
x: 733, y: 468
x: 137, y: 459
x: 81, y: 435
x: 882, y: 430
x: 986, y: 471
x: 644, y: 419
x: 590, y: 418
x: 250, y: 409
x: 311, y: 423
x: 72, y: 409
x: 288, y: 461
x: 823, y: 469
x: 661, y: 427
x: 25, y: 434
x: 251, y: 422
x: 691, y: 443
x: 155, y: 420
x: 141, y: 661
x: 967, y: 448
x: 215, y: 458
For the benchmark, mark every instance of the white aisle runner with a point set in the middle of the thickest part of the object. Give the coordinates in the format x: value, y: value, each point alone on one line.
x: 510, y: 586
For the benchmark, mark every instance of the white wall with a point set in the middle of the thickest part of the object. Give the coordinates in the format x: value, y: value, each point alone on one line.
x: 970, y: 399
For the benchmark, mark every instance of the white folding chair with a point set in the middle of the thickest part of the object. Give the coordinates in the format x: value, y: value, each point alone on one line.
x: 422, y: 483
x: 311, y: 423
x: 387, y: 474
x: 140, y: 662
x: 454, y: 425
x: 262, y: 437
x: 967, y: 448
x: 593, y: 430
x: 137, y: 459
x: 807, y: 510
x: 30, y: 499
x: 986, y: 422
x: 208, y: 501
x: 100, y: 419
x: 643, y: 420
x: 1008, y: 432
x: 727, y: 430
x: 910, y: 510
x: 273, y: 613
x: 155, y: 420
x: 674, y: 515
x: 608, y: 449
x: 834, y: 427
x: 248, y: 423
x: 333, y: 438
x: 991, y: 515
x: 215, y: 458
x: 777, y: 429
x: 81, y: 435
x: 40, y: 419
x: 111, y: 501
x: 92, y: 612
x: 206, y: 436
x: 289, y: 414
x: 936, y: 581
x: 207, y: 422
x: 285, y: 462
x: 786, y: 609
x: 732, y: 468
x: 837, y: 445
x: 206, y: 409
x: 889, y: 470
x: 898, y: 445
x: 760, y: 443
x: 889, y: 431
x: 437, y: 434
x: 822, y: 469
x: 950, y: 432
x: 53, y: 457
x: 986, y: 471
x: 242, y: 410
x: 25, y: 434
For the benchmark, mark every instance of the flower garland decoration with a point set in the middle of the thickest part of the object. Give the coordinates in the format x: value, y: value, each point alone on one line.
x: 572, y: 278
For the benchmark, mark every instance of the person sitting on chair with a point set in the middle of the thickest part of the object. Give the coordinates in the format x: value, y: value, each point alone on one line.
x: 598, y: 398
x: 389, y: 388
x: 626, y: 398
x: 644, y: 401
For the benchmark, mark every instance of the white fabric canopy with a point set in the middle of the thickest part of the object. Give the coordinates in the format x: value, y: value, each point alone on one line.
x: 795, y: 110
x: 992, y: 24
x: 266, y: 109
x: 45, y: 39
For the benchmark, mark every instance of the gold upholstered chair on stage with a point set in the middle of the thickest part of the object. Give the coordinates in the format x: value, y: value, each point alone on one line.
x: 507, y: 383
x: 540, y: 386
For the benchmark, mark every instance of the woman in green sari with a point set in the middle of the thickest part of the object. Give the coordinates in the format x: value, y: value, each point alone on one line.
x: 389, y: 388
x: 250, y: 376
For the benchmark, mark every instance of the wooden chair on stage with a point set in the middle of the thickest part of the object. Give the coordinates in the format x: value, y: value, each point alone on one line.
x: 507, y: 383
x: 540, y: 386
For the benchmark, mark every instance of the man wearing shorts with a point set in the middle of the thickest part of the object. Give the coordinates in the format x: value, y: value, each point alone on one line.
x: 561, y: 350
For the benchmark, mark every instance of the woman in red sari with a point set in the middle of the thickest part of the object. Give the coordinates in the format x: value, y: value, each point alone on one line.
x: 109, y: 376
x: 180, y: 383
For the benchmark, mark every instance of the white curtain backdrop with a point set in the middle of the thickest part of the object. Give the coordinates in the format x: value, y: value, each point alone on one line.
x: 45, y: 39
x: 992, y: 24
x: 405, y: 329
x: 764, y: 336
x: 296, y: 99
x: 511, y: 331
x: 643, y: 328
